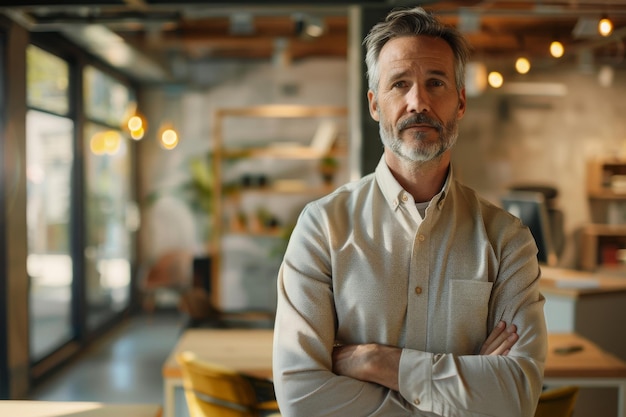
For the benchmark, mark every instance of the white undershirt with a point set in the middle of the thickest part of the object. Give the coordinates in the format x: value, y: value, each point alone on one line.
x: 421, y: 208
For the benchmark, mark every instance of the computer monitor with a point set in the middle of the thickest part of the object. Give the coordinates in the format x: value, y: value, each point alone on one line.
x: 530, y: 208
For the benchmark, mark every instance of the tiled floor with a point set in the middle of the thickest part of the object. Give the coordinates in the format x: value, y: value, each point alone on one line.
x: 123, y: 368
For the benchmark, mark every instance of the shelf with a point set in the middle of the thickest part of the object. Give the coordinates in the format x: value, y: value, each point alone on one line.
x: 281, y: 152
x: 284, y: 187
x: 273, y: 233
x: 606, y: 178
x: 602, y: 246
x: 605, y: 229
x: 606, y: 194
x: 282, y: 111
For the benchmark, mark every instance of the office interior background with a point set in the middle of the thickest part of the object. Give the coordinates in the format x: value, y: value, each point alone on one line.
x: 87, y: 209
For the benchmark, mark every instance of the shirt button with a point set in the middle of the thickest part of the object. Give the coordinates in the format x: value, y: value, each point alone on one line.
x: 418, y: 290
x: 421, y: 238
x: 416, y: 401
x: 405, y: 198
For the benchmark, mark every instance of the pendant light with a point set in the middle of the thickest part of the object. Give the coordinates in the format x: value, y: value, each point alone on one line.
x: 522, y: 65
x: 556, y: 49
x: 605, y: 26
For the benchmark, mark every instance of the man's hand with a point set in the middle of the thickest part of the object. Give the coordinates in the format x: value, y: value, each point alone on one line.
x: 500, y: 341
x: 368, y: 362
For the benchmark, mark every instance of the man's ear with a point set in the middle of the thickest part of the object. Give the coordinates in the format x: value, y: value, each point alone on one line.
x: 373, y: 105
x: 462, y: 104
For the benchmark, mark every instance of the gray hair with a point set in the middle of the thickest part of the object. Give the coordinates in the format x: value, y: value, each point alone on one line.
x: 413, y: 22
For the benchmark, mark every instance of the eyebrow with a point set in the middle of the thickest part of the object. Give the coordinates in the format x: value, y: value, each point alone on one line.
x: 402, y: 73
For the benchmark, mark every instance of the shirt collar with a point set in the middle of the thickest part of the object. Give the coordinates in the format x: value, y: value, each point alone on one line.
x: 393, y: 191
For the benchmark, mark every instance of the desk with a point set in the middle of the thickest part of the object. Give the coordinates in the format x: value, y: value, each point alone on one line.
x: 590, y: 367
x: 76, y: 409
x: 246, y: 350
x: 250, y: 351
x: 581, y: 302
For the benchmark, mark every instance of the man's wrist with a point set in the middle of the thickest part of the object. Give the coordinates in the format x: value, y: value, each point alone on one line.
x: 384, y: 363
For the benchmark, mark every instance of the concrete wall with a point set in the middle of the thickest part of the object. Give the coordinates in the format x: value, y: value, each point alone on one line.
x: 510, y: 139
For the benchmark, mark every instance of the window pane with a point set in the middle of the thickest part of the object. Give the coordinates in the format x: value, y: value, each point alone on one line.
x: 49, y: 159
x: 109, y: 224
x: 47, y: 78
x: 106, y: 100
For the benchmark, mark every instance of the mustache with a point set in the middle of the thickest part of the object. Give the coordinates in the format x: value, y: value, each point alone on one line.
x: 421, y: 119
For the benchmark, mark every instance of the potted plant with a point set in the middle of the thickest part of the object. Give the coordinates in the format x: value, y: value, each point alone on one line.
x: 328, y: 167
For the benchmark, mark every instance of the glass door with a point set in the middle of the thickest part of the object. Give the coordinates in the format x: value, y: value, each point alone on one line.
x: 49, y: 164
x: 111, y: 217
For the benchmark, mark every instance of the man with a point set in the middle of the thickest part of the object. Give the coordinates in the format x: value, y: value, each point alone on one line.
x: 396, y: 290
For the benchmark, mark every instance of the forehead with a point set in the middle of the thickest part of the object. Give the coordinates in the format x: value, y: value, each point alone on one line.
x: 426, y: 52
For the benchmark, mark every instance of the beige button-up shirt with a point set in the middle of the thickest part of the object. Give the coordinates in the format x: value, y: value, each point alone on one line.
x: 363, y: 266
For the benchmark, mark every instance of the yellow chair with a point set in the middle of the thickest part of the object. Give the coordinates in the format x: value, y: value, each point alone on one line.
x: 557, y: 402
x: 215, y: 391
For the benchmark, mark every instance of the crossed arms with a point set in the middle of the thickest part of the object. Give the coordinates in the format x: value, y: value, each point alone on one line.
x: 379, y: 363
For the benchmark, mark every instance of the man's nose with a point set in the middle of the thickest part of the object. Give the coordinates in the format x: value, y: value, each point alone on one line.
x: 417, y: 100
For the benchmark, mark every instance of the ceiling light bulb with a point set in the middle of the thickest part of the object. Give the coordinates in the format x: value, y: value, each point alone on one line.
x: 495, y: 79
x: 169, y: 138
x: 522, y: 65
x: 135, y: 123
x: 605, y: 26
x: 556, y: 49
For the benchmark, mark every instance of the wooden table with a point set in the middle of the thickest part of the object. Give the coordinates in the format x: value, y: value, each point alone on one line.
x: 250, y: 351
x: 589, y: 367
x: 246, y: 350
x: 20, y: 408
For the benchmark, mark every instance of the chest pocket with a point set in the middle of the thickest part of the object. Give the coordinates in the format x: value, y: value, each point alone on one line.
x: 468, y: 308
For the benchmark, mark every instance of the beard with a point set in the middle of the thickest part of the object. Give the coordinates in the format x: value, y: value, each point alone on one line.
x: 417, y: 148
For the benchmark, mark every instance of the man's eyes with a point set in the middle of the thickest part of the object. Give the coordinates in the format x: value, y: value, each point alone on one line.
x: 429, y: 83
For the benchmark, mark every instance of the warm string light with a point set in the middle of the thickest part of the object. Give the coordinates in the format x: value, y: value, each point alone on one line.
x: 168, y: 137
x: 136, y: 126
x: 556, y: 49
x: 605, y: 26
x: 522, y: 65
x: 495, y: 79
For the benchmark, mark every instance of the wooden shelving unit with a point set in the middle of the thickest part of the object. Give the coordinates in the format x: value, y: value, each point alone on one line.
x: 603, y: 241
x: 230, y: 197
